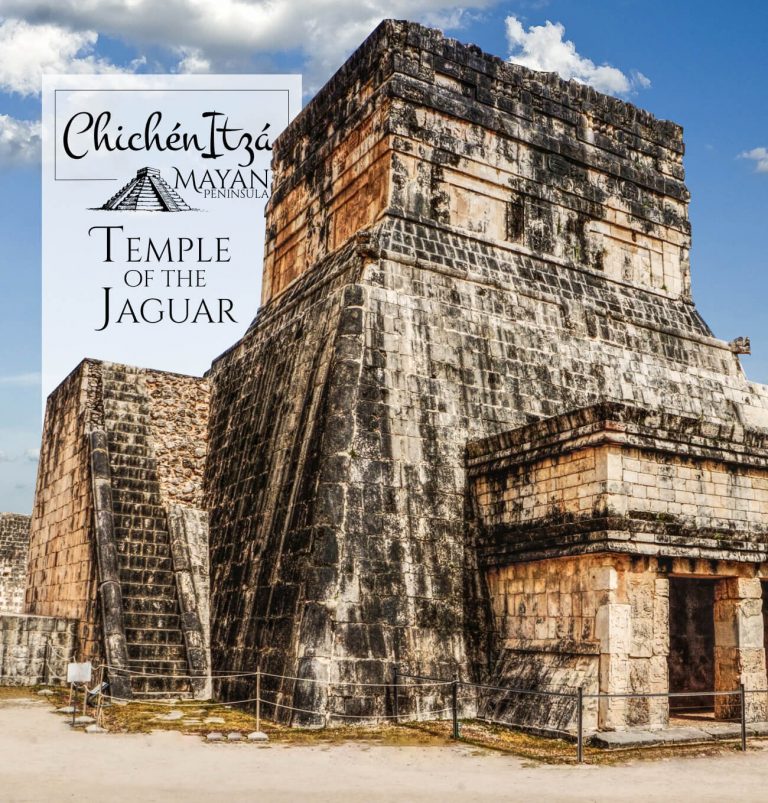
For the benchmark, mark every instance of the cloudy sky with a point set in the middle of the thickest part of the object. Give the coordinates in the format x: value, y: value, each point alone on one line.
x: 688, y: 61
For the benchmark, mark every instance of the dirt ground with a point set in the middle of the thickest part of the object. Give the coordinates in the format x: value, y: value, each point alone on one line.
x: 42, y: 759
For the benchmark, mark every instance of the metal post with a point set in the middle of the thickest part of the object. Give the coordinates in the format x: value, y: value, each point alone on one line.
x: 743, y: 697
x: 455, y: 706
x: 258, y: 699
x: 580, y: 725
x: 396, y: 693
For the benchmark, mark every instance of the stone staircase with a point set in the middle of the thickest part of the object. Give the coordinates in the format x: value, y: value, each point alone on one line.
x: 151, y: 616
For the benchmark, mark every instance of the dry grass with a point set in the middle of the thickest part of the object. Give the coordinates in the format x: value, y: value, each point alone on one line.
x: 142, y: 717
x: 16, y: 692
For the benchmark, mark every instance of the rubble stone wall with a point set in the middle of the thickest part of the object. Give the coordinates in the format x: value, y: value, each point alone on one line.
x: 14, y: 549
x: 179, y: 430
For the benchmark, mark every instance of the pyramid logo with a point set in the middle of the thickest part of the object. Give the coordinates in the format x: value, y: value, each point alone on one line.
x: 147, y: 192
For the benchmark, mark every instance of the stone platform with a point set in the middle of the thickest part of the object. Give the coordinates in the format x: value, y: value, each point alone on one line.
x: 704, y: 732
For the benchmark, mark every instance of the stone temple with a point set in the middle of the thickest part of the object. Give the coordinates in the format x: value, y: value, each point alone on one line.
x: 478, y: 425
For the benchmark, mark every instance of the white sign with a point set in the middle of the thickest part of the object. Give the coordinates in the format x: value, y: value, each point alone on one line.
x: 154, y: 189
x: 79, y: 673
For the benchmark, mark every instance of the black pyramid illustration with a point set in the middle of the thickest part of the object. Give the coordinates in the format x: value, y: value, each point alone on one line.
x: 147, y: 192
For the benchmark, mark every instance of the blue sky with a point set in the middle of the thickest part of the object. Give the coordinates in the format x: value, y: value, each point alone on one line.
x: 701, y: 64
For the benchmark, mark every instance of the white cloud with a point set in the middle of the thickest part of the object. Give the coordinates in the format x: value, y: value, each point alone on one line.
x: 759, y: 156
x: 27, y: 380
x: 544, y: 47
x: 28, y: 51
x: 28, y: 456
x: 228, y: 34
x: 192, y: 60
x: 19, y: 145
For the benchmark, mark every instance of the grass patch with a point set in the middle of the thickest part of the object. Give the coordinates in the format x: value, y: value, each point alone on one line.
x: 16, y: 692
x: 144, y: 717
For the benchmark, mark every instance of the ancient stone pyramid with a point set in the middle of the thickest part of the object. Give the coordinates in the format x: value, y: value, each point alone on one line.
x: 148, y: 192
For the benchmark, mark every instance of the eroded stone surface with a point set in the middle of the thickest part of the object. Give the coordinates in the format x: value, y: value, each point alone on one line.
x: 14, y: 547
x: 458, y: 249
x: 477, y: 427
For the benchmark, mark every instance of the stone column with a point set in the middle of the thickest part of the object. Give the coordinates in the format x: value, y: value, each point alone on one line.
x: 613, y: 631
x: 739, y: 647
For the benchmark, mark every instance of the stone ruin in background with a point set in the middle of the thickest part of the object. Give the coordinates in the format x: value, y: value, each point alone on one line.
x: 478, y: 425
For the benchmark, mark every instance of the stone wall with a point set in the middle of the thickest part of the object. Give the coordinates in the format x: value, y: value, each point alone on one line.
x: 640, y: 480
x: 179, y: 430
x: 35, y: 649
x: 602, y: 622
x: 530, y: 258
x: 579, y: 176
x: 62, y: 580
x: 14, y: 549
x: 120, y: 447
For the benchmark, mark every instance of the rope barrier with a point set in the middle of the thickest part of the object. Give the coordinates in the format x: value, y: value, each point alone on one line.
x: 137, y: 673
x: 327, y: 714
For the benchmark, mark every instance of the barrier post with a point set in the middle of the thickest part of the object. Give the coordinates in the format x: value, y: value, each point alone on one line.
x: 395, y: 694
x: 455, y: 706
x: 258, y: 699
x: 580, y: 725
x: 743, y: 698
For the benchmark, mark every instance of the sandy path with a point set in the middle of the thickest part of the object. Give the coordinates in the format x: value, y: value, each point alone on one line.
x: 42, y: 760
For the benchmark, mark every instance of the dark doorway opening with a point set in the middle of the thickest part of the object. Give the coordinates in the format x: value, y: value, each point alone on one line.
x: 691, y: 642
x: 764, y: 585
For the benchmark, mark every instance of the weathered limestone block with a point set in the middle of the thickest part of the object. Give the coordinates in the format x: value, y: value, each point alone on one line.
x: 14, y: 549
x: 120, y: 444
x: 188, y: 529
x: 35, y: 649
x: 739, y: 646
x: 619, y: 475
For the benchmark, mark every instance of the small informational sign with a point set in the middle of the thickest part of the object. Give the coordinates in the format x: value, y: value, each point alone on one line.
x: 154, y: 191
x: 79, y: 673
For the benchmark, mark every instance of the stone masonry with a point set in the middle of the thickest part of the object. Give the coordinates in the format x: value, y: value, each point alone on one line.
x: 122, y: 458
x: 35, y: 649
x: 14, y: 545
x: 458, y: 247
x: 478, y: 425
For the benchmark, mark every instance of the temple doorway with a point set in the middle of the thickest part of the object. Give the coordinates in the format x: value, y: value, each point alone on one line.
x: 691, y: 643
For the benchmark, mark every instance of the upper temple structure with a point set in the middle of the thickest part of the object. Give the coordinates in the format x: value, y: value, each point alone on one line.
x: 478, y: 425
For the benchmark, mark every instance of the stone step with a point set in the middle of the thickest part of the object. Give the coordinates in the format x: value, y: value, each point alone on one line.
x: 129, y: 428
x: 170, y: 667
x: 133, y: 590
x: 151, y: 622
x: 157, y: 688
x: 127, y: 485
x: 147, y: 563
x: 123, y: 507
x: 138, y: 450
x: 157, y: 578
x: 155, y: 606
x: 156, y: 652
x: 144, y: 542
x: 138, y: 636
x: 124, y: 457
x: 137, y: 470
x: 143, y: 547
x: 119, y: 388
